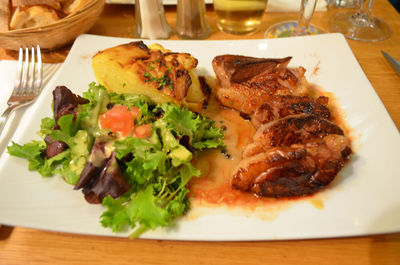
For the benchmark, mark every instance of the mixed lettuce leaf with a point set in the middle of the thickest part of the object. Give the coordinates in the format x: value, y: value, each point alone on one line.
x: 157, y: 168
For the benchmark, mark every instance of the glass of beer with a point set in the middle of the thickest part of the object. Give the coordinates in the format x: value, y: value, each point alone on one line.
x: 239, y: 16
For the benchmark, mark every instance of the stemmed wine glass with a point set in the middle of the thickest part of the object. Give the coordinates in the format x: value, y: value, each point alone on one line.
x: 360, y: 25
x: 296, y: 28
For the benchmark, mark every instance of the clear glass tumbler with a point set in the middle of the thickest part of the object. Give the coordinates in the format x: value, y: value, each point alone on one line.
x: 239, y: 16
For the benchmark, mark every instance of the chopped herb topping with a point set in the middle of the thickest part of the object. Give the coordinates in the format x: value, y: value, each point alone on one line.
x: 163, y: 81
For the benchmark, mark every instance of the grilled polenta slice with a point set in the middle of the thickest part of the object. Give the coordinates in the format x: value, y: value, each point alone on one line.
x: 153, y: 71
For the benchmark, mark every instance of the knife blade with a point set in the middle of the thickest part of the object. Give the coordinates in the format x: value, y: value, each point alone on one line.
x: 395, y: 64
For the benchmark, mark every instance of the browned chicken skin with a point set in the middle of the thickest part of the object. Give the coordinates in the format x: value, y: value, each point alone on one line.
x: 296, y: 150
x: 247, y: 82
x: 265, y: 88
x: 255, y: 72
x: 294, y: 129
x: 293, y: 156
x: 281, y: 106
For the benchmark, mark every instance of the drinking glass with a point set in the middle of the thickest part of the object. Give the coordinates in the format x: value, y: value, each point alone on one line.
x: 360, y: 25
x: 239, y: 16
x: 296, y: 28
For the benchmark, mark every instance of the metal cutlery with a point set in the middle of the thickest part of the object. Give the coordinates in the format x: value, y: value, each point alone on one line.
x: 395, y: 63
x: 28, y: 83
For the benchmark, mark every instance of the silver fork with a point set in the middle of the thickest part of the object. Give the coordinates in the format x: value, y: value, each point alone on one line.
x: 28, y: 82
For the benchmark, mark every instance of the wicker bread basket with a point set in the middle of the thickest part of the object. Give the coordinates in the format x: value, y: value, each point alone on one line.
x: 54, y: 35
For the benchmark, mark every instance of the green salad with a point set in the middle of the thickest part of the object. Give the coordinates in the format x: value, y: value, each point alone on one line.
x: 124, y: 151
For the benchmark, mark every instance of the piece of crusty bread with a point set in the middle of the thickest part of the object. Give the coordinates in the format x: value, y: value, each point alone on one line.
x: 19, y: 14
x: 52, y: 3
x: 4, y: 14
x: 71, y: 6
x: 34, y: 16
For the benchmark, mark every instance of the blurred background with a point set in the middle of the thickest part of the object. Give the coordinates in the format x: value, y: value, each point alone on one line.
x: 396, y: 4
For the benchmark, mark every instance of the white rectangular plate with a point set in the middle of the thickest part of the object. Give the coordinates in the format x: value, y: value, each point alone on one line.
x: 364, y: 200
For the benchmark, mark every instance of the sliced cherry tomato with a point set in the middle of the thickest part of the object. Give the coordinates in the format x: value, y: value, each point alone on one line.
x: 143, y: 131
x: 118, y: 119
x: 135, y: 113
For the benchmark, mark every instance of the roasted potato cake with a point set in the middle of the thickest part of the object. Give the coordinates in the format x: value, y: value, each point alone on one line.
x: 153, y: 71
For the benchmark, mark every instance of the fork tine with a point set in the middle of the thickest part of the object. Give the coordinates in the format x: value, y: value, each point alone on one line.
x: 18, y: 79
x: 25, y: 74
x: 31, y: 76
x: 39, y: 77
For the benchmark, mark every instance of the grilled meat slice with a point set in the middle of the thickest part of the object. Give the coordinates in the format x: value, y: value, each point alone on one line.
x: 265, y: 107
x: 242, y: 98
x: 292, y: 171
x: 239, y: 69
x: 250, y: 169
x: 247, y: 82
x: 265, y: 89
x: 293, y: 156
x: 281, y: 106
x: 293, y: 129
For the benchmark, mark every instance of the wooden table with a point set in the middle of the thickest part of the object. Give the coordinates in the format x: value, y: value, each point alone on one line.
x: 20, y: 245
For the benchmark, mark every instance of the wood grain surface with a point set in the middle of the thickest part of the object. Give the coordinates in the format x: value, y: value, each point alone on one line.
x: 20, y: 245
